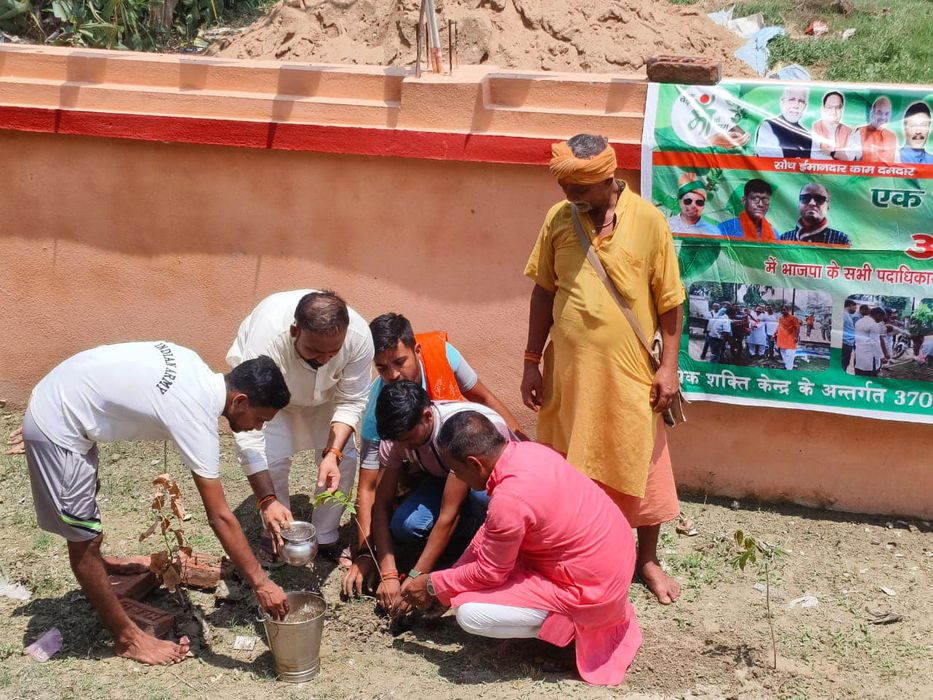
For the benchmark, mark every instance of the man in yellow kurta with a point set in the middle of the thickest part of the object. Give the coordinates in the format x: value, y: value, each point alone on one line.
x: 598, y: 399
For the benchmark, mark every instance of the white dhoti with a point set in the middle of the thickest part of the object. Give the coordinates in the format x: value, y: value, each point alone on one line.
x: 293, y: 430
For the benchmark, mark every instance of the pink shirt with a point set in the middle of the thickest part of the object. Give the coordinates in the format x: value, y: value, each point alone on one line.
x: 554, y: 541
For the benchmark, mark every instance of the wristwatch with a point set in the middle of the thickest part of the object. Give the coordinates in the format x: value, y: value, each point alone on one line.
x: 430, y: 588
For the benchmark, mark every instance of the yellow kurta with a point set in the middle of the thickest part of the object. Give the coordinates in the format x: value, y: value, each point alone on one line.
x: 597, y: 375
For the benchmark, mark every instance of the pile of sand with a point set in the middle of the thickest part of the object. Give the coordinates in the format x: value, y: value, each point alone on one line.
x: 605, y: 36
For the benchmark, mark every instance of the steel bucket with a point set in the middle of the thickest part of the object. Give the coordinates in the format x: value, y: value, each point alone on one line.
x: 296, y: 641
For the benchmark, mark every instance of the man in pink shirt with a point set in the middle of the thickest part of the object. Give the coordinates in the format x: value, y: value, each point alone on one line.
x: 553, y: 559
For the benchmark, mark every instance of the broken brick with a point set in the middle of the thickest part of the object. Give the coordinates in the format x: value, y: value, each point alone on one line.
x: 685, y: 70
x: 135, y: 586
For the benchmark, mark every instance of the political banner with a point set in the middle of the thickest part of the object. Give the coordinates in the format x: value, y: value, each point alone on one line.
x: 803, y: 219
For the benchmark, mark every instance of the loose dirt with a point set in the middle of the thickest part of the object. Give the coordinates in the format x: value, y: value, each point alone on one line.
x: 608, y: 36
x: 712, y: 643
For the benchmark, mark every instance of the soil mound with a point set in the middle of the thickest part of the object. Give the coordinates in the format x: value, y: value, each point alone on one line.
x: 599, y: 36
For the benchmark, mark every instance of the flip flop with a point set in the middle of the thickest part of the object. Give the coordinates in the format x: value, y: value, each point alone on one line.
x: 336, y: 553
x: 266, y: 557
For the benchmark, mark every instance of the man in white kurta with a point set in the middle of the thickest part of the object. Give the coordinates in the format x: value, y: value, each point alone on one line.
x: 325, y: 352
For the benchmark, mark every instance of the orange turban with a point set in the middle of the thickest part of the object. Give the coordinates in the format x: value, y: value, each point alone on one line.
x: 581, y: 171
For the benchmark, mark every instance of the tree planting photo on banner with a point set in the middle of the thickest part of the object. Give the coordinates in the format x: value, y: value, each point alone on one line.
x: 803, y: 219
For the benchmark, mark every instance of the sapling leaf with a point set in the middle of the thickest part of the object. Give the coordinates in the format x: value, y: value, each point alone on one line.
x: 165, y: 522
x: 739, y: 537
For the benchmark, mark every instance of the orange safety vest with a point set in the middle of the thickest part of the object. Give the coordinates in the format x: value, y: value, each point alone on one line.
x: 438, y: 375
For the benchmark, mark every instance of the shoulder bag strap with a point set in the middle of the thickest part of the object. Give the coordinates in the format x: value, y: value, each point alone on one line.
x: 601, y: 273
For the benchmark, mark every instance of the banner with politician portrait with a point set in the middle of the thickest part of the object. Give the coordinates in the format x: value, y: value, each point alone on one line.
x: 803, y: 219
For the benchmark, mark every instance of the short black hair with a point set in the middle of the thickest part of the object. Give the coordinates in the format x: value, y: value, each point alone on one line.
x: 587, y: 145
x: 262, y: 382
x: 837, y: 94
x: 322, y: 312
x: 469, y: 434
x: 877, y: 311
x: 390, y: 328
x: 850, y: 302
x: 399, y: 409
x: 758, y: 186
x: 917, y: 108
x: 731, y: 312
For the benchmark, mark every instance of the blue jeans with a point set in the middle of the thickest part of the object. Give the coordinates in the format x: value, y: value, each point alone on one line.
x: 416, y: 515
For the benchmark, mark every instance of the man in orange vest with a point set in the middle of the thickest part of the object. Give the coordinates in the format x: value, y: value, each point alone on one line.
x: 878, y: 143
x: 426, y: 359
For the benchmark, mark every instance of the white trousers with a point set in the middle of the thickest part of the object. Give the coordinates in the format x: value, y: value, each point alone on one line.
x: 788, y: 356
x: 500, y: 621
x: 326, y: 518
x: 293, y: 430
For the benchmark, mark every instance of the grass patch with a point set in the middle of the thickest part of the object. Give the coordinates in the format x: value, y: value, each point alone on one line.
x: 891, y: 41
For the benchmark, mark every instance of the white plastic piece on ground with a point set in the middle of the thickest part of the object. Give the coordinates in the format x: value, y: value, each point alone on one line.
x: 244, y: 643
x: 805, y: 601
x: 14, y: 591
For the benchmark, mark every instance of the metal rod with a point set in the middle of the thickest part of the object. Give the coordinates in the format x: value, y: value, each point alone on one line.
x: 418, y: 51
x: 427, y: 45
x: 450, y: 45
x: 434, y: 38
x: 456, y: 55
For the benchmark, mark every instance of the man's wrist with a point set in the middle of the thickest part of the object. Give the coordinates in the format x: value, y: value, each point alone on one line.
x: 429, y: 587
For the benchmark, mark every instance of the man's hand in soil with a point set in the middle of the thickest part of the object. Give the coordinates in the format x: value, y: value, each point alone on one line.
x: 272, y: 599
x: 276, y: 516
x: 415, y: 591
x: 388, y: 593
x: 329, y: 473
x: 362, y: 574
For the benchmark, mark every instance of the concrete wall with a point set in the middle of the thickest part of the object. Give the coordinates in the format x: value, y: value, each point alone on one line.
x: 161, y: 197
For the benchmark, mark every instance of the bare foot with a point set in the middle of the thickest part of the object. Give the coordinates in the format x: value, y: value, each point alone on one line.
x: 155, y: 652
x: 665, y: 588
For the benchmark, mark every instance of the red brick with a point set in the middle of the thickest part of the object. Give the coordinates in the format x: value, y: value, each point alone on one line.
x: 686, y: 70
x: 135, y: 586
x: 154, y: 621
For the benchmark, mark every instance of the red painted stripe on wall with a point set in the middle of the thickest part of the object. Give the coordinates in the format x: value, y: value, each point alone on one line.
x: 399, y: 143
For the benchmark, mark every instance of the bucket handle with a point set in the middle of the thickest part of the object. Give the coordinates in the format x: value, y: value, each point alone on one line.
x: 271, y: 630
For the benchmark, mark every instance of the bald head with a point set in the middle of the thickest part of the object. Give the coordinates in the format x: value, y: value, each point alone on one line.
x: 880, y: 112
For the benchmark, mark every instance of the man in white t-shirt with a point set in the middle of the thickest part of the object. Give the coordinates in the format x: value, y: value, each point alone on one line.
x: 142, y: 391
x: 870, y: 349
x: 325, y: 352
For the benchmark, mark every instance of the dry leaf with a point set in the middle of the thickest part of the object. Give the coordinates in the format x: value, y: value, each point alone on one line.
x: 158, y: 562
x: 166, y: 524
x: 180, y: 537
x: 171, y: 578
x: 177, y: 507
x: 158, y: 500
x: 149, y: 530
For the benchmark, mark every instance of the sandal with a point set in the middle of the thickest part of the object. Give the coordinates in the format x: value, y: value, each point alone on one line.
x: 336, y: 553
x: 266, y: 557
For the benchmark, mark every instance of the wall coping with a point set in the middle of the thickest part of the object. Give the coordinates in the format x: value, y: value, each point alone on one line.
x: 479, y: 113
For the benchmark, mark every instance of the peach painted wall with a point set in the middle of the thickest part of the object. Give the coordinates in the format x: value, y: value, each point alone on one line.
x: 106, y: 240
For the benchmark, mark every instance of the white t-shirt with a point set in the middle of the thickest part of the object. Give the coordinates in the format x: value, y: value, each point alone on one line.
x: 868, y: 354
x: 134, y: 391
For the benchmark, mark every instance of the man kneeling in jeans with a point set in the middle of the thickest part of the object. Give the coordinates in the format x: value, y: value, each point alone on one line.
x: 441, y: 511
